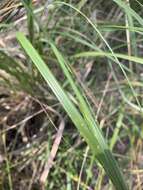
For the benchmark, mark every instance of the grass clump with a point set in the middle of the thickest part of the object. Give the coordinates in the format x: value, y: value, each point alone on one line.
x: 90, y: 54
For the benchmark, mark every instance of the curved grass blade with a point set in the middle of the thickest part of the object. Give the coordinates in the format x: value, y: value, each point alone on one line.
x: 84, y: 122
x: 109, y: 55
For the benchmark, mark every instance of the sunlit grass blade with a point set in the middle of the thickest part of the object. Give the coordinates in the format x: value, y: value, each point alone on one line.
x: 113, y: 28
x: 109, y: 55
x: 83, y: 120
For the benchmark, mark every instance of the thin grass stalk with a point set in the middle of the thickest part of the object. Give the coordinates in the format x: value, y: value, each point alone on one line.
x: 30, y: 20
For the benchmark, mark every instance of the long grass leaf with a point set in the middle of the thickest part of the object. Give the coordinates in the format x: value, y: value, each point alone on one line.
x: 85, y: 125
x: 109, y: 55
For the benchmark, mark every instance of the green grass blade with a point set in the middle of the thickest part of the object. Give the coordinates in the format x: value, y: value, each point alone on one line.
x: 84, y: 123
x: 109, y: 55
x: 107, y: 45
x: 50, y: 79
x: 83, y: 106
x: 129, y: 10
